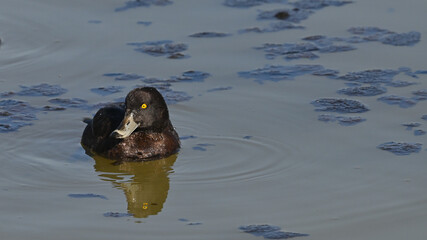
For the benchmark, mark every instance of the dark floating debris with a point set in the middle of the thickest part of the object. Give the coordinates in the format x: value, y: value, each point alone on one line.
x: 363, y: 91
x: 403, y: 102
x: 189, y: 223
x: 258, y: 230
x: 421, y: 72
x: 43, y: 89
x: 17, y: 110
x: 11, y: 126
x: 408, y: 72
x: 70, y: 102
x: 7, y: 94
x: 202, y: 146
x: 299, y: 11
x: 400, y: 83
x: 15, y: 114
x: 277, y: 73
x: 269, y: 232
x: 194, y: 223
x: 113, y: 74
x: 173, y: 97
x: 326, y: 72
x: 371, y: 76
x: 290, y: 15
x: 52, y: 109
x: 209, y: 35
x: 117, y: 214
x: 187, y: 137
x: 198, y: 148
x: 164, y: 85
x: 87, y: 195
x: 177, y: 56
x: 282, y: 15
x: 272, y: 27
x: 307, y: 55
x: 399, y: 148
x: 336, y: 48
x: 219, y: 89
x: 273, y: 50
x: 339, y: 105
x: 386, y: 36
x: 250, y: 3
x: 420, y: 94
x: 353, y: 84
x: 401, y: 39
x: 161, y: 48
x: 318, y: 4
x: 325, y: 44
x: 145, y: 23
x: 124, y: 76
x: 376, y: 77
x: 342, y: 120
x: 409, y: 126
x: 104, y: 91
x: 142, y: 3
x: 419, y: 132
x: 301, y: 50
x: 369, y: 33
x: 190, y: 76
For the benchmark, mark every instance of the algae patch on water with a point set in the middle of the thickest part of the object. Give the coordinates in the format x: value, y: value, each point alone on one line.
x: 324, y: 44
x: 164, y: 85
x: 87, y: 195
x: 15, y: 114
x: 161, y: 48
x: 363, y: 91
x: 104, y: 91
x: 277, y: 73
x: 403, y: 102
x: 342, y: 120
x: 43, y: 89
x: 117, y: 214
x: 209, y: 35
x: 269, y: 232
x: 401, y: 148
x: 142, y: 3
x: 339, y: 105
x: 249, y: 3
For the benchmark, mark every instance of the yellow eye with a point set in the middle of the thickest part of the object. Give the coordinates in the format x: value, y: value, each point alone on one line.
x: 144, y: 106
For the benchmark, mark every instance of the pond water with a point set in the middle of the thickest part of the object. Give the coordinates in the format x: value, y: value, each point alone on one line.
x: 293, y: 118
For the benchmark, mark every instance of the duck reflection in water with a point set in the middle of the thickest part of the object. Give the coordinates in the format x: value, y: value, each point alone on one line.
x: 145, y: 184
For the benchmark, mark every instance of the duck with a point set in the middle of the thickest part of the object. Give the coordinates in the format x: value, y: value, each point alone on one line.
x: 137, y: 130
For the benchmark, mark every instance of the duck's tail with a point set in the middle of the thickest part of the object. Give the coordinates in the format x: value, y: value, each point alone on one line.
x: 87, y: 120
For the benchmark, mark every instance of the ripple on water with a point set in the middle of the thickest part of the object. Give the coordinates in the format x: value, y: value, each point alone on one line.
x: 18, y: 51
x: 231, y: 159
x: 39, y: 156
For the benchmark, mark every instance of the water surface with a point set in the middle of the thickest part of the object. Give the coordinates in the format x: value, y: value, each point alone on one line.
x: 253, y: 151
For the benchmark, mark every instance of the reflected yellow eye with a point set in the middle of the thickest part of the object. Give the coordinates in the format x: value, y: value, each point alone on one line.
x: 144, y: 106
